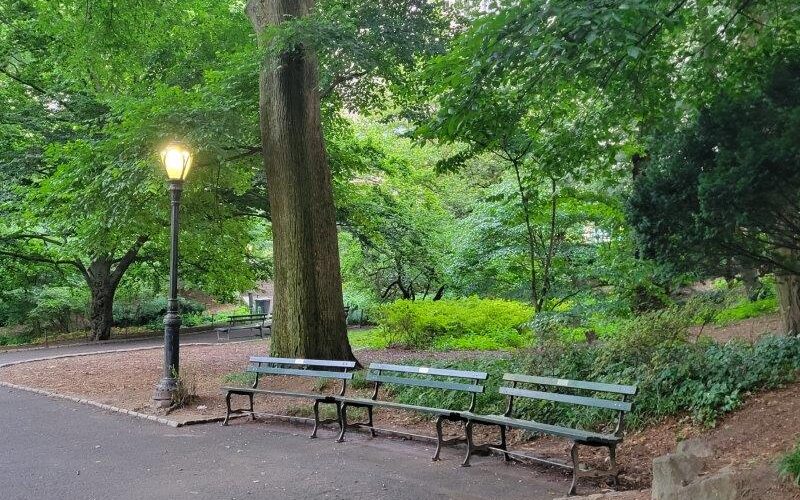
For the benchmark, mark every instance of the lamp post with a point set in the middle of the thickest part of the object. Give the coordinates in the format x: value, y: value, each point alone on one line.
x: 177, y: 162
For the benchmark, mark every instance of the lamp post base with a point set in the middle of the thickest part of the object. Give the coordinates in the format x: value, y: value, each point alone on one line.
x: 162, y: 395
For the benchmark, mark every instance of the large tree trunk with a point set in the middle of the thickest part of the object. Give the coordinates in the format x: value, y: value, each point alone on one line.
x: 102, y: 291
x: 788, y: 286
x: 103, y: 276
x: 308, y: 319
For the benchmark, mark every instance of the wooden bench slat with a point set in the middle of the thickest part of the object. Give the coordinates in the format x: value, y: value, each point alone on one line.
x: 426, y: 370
x: 303, y: 362
x: 435, y: 384
x: 567, y: 398
x: 299, y: 372
x: 572, y: 384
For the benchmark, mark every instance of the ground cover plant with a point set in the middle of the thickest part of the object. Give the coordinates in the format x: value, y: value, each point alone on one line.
x: 675, y: 376
x: 789, y: 465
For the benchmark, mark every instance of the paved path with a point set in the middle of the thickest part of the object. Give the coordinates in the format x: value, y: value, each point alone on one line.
x: 13, y: 355
x: 54, y: 449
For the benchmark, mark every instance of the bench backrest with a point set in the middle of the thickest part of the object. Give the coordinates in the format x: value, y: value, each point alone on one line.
x: 426, y: 376
x: 298, y: 367
x: 566, y: 391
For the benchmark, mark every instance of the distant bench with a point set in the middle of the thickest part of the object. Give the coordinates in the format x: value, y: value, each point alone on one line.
x: 245, y: 322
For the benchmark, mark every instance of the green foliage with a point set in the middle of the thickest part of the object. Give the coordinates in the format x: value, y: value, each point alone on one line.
x: 151, y: 311
x: 724, y: 187
x: 372, y: 338
x: 746, y: 309
x: 239, y: 379
x: 789, y: 466
x: 674, y: 377
x: 470, y: 323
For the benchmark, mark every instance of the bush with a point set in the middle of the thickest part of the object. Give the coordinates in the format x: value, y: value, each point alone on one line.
x: 470, y: 323
x: 675, y: 377
x: 747, y: 309
x: 150, y: 311
x: 57, y: 307
x: 789, y: 466
x: 362, y: 307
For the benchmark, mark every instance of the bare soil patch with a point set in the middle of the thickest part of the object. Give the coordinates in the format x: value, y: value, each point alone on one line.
x: 749, y: 329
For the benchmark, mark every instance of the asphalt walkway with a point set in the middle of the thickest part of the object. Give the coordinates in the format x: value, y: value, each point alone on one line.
x: 54, y: 449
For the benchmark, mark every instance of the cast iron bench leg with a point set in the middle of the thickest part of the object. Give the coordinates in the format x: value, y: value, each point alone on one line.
x: 371, y: 427
x: 503, y: 444
x: 342, y: 423
x: 228, y: 408
x: 316, y: 419
x: 439, y: 437
x: 252, y: 408
x: 612, y: 453
x: 470, y: 446
x: 575, y: 468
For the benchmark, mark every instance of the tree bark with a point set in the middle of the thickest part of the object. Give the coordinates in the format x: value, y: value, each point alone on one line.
x: 101, y: 312
x: 788, y: 286
x: 103, y: 276
x: 308, y: 317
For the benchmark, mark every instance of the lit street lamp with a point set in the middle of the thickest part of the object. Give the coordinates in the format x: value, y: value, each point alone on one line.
x: 177, y: 161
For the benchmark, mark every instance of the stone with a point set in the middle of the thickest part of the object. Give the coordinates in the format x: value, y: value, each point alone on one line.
x: 724, y: 485
x: 697, y: 447
x: 672, y: 472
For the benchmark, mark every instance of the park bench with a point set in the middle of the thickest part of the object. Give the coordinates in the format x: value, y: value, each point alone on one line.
x: 245, y: 322
x: 468, y: 382
x: 559, y: 391
x: 314, y: 368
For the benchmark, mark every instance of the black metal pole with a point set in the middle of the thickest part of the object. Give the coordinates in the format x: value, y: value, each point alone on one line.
x: 172, y: 320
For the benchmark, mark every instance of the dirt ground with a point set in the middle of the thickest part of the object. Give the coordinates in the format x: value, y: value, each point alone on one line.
x: 748, y: 329
x: 767, y: 426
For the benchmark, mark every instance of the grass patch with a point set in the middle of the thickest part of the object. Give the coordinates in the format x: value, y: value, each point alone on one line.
x: 789, y: 466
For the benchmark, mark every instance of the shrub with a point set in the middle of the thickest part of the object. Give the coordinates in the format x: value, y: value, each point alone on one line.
x: 675, y: 377
x: 56, y: 307
x: 150, y: 311
x: 747, y: 309
x: 789, y: 466
x: 470, y: 323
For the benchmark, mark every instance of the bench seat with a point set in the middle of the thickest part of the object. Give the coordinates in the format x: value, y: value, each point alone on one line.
x: 581, y: 436
x: 288, y: 394
x: 403, y: 406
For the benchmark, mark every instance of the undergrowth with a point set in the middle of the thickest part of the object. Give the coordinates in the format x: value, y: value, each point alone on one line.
x: 674, y: 376
x: 789, y: 466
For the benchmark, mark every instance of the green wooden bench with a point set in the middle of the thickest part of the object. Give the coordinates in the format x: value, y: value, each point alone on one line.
x: 468, y: 382
x: 315, y: 368
x: 559, y: 391
x: 258, y: 322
